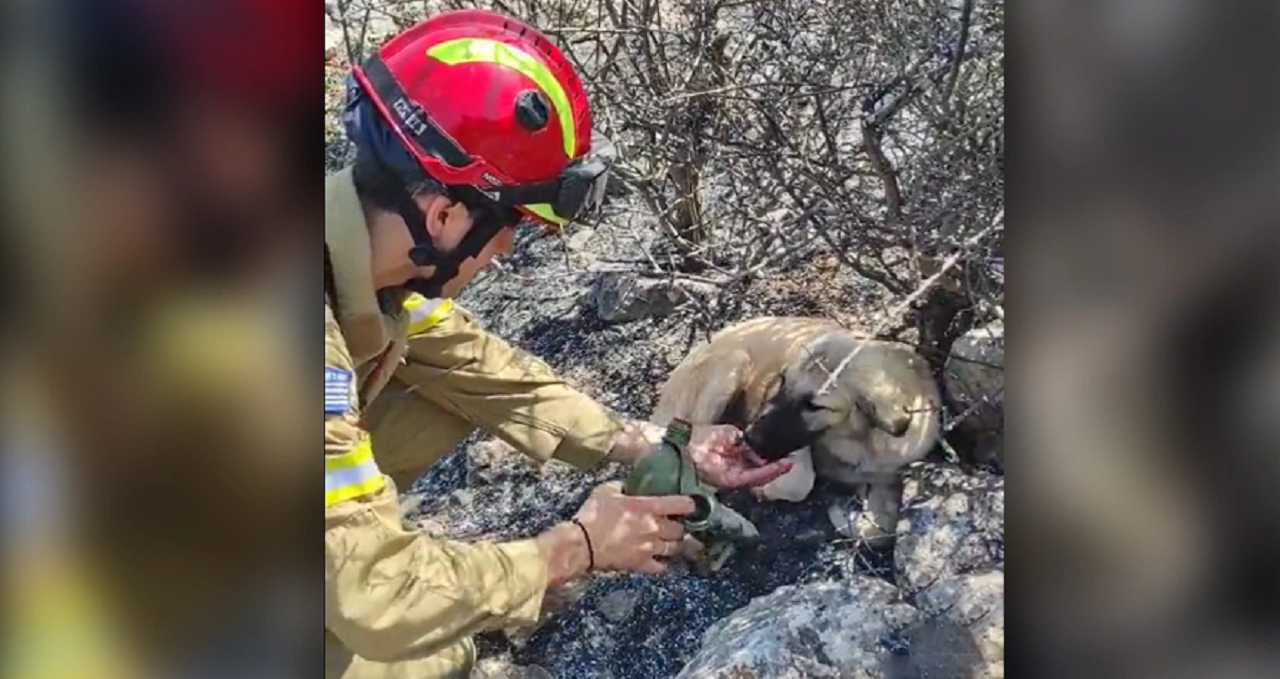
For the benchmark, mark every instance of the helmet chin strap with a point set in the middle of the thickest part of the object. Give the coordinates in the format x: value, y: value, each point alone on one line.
x: 426, y: 253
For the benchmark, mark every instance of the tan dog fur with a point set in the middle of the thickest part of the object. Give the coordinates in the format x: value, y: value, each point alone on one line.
x: 766, y: 376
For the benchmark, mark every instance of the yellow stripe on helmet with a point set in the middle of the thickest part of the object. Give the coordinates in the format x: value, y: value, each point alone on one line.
x: 472, y: 50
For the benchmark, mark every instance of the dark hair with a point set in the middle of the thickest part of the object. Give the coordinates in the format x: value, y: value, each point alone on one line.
x: 378, y: 187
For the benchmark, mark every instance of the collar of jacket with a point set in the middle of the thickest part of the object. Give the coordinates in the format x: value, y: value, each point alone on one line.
x: 351, y: 256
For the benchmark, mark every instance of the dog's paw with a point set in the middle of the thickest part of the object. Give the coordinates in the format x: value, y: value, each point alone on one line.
x: 795, y: 485
x: 783, y: 489
x: 764, y: 494
x: 858, y: 524
x: 713, y: 558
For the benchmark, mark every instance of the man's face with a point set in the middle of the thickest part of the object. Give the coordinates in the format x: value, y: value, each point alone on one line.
x: 499, y: 246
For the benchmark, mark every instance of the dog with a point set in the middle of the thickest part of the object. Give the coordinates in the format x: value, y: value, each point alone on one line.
x: 781, y: 381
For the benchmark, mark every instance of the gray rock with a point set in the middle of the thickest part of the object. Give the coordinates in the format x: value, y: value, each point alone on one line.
x: 621, y: 297
x: 976, y: 603
x: 974, y: 375
x: 827, y: 629
x: 381, y: 25
x: 503, y: 668
x: 852, y: 520
x: 578, y: 241
x: 617, y: 605
x: 491, y: 460
x: 465, y: 497
x: 951, y: 524
x: 936, y: 647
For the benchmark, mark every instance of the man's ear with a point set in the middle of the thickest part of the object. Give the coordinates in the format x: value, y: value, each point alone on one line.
x: 436, y: 208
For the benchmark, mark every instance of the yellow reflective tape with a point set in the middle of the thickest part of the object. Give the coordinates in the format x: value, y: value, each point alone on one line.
x: 351, y: 474
x: 419, y: 321
x: 363, y: 452
x: 471, y: 50
x: 544, y: 210
x: 345, y: 493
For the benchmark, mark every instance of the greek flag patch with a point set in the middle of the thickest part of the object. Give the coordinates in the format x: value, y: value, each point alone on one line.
x: 337, y: 391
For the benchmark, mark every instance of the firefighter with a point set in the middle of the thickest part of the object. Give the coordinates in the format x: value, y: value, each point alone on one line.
x: 465, y: 126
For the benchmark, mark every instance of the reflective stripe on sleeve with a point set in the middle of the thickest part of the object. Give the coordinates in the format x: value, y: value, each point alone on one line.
x: 351, y: 474
x: 424, y: 313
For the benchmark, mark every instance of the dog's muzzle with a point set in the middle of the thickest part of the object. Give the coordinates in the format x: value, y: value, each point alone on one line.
x: 766, y: 447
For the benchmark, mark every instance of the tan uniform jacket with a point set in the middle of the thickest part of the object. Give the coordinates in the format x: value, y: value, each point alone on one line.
x: 401, y: 389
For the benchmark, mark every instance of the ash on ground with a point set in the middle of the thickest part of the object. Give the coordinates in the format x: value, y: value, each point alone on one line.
x: 632, y: 626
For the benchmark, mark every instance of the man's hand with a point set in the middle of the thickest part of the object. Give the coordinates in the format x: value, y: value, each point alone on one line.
x: 630, y: 533
x: 717, y: 451
x: 724, y: 461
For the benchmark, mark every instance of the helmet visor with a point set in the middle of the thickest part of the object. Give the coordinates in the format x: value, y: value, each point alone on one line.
x: 577, y: 192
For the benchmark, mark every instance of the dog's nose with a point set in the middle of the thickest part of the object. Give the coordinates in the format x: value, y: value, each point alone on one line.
x: 763, y: 448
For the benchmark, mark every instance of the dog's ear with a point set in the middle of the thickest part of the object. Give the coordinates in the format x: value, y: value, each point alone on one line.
x: 823, y: 357
x: 830, y: 350
x: 835, y: 399
x: 864, y: 405
x: 894, y: 422
x: 773, y: 386
x: 812, y: 366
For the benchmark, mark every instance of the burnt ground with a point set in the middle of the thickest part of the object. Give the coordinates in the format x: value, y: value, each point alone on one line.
x: 630, y: 626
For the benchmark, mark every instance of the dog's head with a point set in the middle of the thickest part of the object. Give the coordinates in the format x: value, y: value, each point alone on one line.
x: 798, y: 410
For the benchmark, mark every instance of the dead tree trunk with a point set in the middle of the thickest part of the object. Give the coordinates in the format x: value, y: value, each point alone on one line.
x: 696, y: 118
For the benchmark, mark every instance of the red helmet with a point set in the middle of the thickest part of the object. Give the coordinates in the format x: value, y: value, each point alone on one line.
x: 480, y: 99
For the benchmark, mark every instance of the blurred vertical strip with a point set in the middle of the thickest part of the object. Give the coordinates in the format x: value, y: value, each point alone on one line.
x: 154, y: 198
x: 59, y: 619
x: 63, y: 66
x: 1145, y: 184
